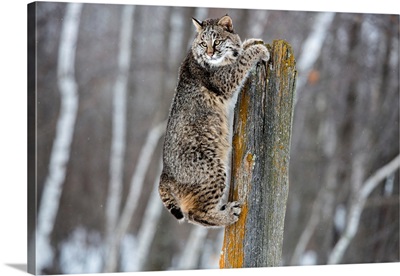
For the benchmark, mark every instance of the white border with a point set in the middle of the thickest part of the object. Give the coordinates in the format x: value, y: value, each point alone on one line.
x: 13, y: 201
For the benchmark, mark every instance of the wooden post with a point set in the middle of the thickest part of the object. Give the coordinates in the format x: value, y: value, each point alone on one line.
x: 260, y: 162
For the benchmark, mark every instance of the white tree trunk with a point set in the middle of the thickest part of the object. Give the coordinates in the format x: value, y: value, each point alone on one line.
x: 64, y: 134
x: 312, y: 47
x: 118, y: 141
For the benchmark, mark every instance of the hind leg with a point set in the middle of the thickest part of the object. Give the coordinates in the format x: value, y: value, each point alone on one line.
x: 217, y: 216
x: 208, y: 209
x: 168, y: 198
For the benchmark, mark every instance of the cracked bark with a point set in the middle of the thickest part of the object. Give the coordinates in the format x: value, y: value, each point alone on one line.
x: 260, y: 162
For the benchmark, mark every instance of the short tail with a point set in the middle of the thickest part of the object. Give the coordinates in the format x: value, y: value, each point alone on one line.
x: 168, y: 198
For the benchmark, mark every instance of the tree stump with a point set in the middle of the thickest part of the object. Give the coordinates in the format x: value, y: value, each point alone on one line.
x: 260, y: 162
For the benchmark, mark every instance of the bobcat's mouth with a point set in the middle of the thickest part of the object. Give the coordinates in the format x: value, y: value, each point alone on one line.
x: 215, y: 59
x: 213, y: 56
x: 220, y: 59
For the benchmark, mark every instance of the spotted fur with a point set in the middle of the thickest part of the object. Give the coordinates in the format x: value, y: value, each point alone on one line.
x: 196, y: 146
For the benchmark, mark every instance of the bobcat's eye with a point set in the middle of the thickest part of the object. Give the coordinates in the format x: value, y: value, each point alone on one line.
x: 217, y: 42
x: 203, y: 44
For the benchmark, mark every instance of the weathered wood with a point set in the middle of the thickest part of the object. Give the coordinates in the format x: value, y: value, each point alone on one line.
x: 260, y: 162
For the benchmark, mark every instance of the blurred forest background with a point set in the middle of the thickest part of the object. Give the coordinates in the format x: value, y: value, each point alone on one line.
x: 105, y: 78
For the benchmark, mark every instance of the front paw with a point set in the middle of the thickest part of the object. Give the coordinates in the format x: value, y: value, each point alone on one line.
x: 265, y: 54
x: 262, y: 52
x: 234, y: 208
x: 252, y: 41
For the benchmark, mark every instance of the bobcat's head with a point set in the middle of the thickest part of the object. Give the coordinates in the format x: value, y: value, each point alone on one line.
x: 216, y: 43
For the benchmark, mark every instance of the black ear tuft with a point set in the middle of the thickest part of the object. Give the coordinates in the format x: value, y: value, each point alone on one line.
x: 198, y: 24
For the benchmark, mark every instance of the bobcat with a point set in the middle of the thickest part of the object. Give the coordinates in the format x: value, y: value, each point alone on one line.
x: 196, y: 146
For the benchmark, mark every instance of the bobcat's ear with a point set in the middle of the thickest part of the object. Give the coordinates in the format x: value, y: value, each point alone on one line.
x: 226, y: 23
x: 197, y: 24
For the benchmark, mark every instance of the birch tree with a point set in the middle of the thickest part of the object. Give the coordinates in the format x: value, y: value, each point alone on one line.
x: 64, y: 134
x: 118, y: 133
x: 312, y: 46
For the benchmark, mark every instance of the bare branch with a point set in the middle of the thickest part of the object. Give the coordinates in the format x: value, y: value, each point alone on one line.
x: 357, y: 207
x: 136, y: 185
x: 145, y: 155
x: 149, y: 223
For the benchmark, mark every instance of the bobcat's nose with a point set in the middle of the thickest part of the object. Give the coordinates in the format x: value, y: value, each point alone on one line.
x: 210, y: 51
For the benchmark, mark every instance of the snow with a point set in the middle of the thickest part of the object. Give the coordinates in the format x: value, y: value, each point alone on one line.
x: 340, y: 218
x: 309, y: 258
x: 82, y: 252
x: 129, y: 254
